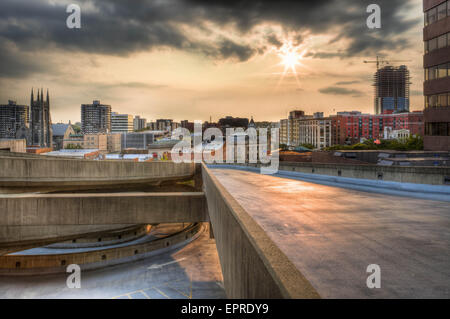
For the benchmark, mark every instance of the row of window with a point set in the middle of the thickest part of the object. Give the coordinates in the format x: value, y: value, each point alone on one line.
x: 439, y: 42
x: 437, y: 100
x: 437, y: 13
x: 437, y: 71
x: 437, y: 129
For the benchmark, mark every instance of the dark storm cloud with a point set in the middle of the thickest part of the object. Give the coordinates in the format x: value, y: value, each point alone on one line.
x: 273, y: 40
x: 117, y: 27
x: 15, y: 64
x: 335, y: 90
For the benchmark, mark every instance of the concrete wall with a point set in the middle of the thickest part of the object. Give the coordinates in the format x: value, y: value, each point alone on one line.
x: 252, y: 265
x: 26, y: 172
x: 44, y: 218
x: 102, y: 209
x: 57, y: 263
x: 418, y: 174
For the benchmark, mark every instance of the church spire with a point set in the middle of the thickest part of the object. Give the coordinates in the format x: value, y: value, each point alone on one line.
x: 48, y: 99
x: 38, y: 95
x: 32, y: 96
x: 42, y: 95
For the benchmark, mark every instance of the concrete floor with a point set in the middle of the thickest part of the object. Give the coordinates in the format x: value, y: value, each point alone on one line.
x: 192, y: 271
x: 332, y: 234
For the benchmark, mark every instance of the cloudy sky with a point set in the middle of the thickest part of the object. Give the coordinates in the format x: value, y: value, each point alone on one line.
x: 192, y: 59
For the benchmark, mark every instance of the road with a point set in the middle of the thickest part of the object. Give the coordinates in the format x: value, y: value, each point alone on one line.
x: 332, y: 234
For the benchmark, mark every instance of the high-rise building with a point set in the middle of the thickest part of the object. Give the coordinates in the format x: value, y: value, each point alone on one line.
x: 12, y: 117
x: 95, y: 118
x: 315, y: 131
x: 392, y: 89
x: 41, y: 123
x: 139, y: 123
x: 436, y: 62
x: 121, y: 123
x: 163, y: 124
x: 289, y: 128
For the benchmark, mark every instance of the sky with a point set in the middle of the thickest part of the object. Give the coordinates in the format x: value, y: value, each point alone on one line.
x: 196, y: 59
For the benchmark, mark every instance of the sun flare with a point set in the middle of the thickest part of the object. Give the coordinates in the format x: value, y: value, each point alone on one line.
x: 290, y: 57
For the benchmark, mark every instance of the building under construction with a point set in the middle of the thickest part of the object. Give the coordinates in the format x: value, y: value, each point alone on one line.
x: 392, y: 89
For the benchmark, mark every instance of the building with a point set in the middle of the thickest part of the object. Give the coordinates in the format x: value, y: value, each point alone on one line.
x: 137, y: 140
x: 163, y: 125
x: 392, y: 89
x: 114, y: 142
x: 95, y: 118
x: 41, y: 123
x: 139, y: 123
x: 61, y: 132
x: 436, y: 63
x: 352, y: 127
x: 12, y: 118
x: 75, y: 140
x: 314, y: 131
x: 187, y: 125
x: 230, y: 121
x: 390, y: 134
x: 95, y: 141
x: 289, y: 128
x: 121, y: 123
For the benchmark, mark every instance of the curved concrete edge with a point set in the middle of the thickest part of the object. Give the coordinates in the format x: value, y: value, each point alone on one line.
x: 95, y: 259
x: 424, y: 191
x: 252, y: 264
x: 37, y: 236
x: 105, y: 239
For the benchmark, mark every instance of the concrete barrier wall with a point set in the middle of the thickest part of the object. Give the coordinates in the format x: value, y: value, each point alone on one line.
x: 102, y: 209
x: 252, y: 265
x: 46, y: 264
x: 419, y: 175
x: 31, y: 171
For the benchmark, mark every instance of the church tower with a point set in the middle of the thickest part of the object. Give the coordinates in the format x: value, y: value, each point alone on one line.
x: 41, y: 123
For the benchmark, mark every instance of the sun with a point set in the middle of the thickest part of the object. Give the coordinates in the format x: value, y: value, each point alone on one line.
x: 290, y: 57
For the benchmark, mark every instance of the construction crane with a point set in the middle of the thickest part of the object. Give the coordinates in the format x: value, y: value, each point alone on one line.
x: 380, y: 61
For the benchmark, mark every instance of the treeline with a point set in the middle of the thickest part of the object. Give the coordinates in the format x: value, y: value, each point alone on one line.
x: 412, y: 143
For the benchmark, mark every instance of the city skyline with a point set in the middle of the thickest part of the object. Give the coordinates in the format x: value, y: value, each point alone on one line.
x: 226, y: 63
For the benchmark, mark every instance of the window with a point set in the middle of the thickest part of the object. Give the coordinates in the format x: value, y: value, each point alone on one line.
x: 431, y: 15
x: 432, y: 73
x: 432, y: 44
x: 442, y: 41
x: 442, y: 71
x: 433, y: 100
x: 442, y: 100
x: 442, y: 11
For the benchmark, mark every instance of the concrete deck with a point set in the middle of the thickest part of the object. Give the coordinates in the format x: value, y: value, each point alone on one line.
x: 332, y: 234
